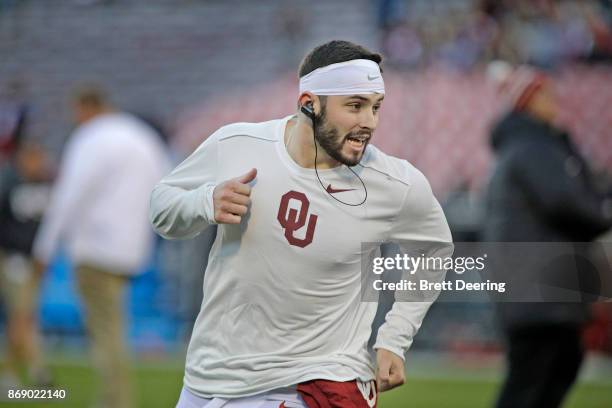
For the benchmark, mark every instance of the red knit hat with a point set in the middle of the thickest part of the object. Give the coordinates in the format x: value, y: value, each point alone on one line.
x: 516, y: 85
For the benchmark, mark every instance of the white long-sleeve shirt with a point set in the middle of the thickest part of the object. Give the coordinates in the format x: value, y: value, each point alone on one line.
x: 282, y: 301
x: 100, y: 200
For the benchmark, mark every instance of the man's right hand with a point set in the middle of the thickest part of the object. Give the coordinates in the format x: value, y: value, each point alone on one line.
x: 231, y: 198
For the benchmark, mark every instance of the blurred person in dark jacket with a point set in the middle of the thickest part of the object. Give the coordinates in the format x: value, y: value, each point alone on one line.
x: 24, y: 193
x: 541, y: 191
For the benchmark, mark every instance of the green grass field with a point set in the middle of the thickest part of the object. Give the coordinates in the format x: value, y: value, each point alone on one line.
x: 158, y: 385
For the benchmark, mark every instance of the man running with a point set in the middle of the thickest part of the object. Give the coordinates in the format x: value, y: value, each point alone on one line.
x: 282, y: 321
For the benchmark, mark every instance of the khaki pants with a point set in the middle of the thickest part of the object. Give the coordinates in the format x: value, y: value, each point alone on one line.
x: 18, y: 285
x: 19, y: 288
x: 102, y: 295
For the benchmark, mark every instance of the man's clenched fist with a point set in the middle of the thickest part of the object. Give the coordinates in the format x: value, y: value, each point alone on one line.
x: 231, y: 198
x: 389, y: 370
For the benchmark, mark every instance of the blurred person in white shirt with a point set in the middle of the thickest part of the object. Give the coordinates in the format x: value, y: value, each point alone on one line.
x: 98, y: 211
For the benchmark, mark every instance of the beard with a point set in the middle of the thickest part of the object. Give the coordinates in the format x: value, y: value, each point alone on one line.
x: 327, y: 137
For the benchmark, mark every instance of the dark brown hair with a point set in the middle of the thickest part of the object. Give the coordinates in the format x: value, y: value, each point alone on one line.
x: 334, y: 52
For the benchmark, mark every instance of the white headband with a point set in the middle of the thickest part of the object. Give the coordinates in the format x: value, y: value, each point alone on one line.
x: 354, y: 77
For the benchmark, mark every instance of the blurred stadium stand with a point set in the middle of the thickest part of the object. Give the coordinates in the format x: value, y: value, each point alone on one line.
x: 437, y: 119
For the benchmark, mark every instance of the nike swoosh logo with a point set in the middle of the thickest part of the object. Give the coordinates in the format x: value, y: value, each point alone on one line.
x: 331, y: 190
x: 372, y: 77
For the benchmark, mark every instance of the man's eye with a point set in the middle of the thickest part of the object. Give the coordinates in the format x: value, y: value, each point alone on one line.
x: 355, y: 105
x: 376, y: 108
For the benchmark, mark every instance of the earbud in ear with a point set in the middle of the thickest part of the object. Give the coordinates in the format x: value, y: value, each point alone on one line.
x: 308, y: 110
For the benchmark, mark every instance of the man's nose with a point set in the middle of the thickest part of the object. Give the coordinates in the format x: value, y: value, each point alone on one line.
x: 367, y: 119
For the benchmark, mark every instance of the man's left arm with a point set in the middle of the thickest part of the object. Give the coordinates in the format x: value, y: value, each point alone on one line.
x: 422, y: 227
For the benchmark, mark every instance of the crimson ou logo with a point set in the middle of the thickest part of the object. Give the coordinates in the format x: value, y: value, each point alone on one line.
x: 292, y: 220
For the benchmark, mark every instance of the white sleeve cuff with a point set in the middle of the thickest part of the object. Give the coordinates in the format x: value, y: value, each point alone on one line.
x: 395, y: 350
x: 206, y: 203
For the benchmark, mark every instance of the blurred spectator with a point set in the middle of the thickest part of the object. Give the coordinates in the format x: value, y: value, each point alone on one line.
x: 473, y: 40
x: 390, y: 13
x: 545, y: 33
x: 13, y: 109
x: 24, y: 191
x: 400, y: 41
x: 99, y: 210
x: 402, y: 45
x: 541, y: 191
x: 293, y: 21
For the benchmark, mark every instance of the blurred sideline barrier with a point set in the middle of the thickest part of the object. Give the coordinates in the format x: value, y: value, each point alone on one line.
x: 152, y: 327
